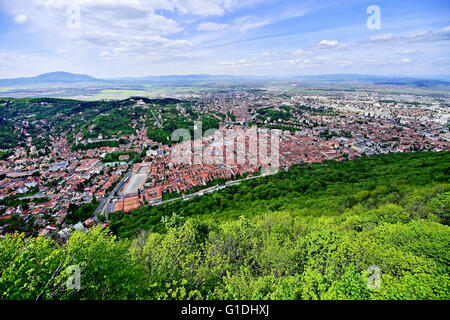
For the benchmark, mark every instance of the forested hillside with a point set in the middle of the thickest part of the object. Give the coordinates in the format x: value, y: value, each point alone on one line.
x: 310, y: 233
x: 37, y: 118
x: 315, y: 190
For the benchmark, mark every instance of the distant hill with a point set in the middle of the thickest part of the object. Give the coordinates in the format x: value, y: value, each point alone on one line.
x: 374, y: 79
x: 70, y: 78
x: 185, y: 78
x: 331, y: 78
x: 47, y: 78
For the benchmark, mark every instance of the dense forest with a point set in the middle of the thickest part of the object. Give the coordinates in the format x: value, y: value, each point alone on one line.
x: 313, y: 232
x: 43, y: 116
x: 40, y: 117
x: 173, y: 121
x: 320, y: 189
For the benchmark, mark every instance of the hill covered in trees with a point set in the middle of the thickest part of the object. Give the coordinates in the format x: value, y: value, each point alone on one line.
x: 310, y: 233
x: 39, y: 118
x: 315, y: 190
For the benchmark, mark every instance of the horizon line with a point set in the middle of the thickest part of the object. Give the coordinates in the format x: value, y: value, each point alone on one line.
x: 427, y: 76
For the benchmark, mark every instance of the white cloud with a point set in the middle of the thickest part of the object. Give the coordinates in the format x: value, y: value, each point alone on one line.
x: 111, y: 56
x: 194, y: 7
x: 328, y: 43
x: 300, y: 51
x: 247, y: 23
x: 204, y: 7
x: 160, y: 33
x: 409, y: 51
x: 406, y: 60
x: 383, y: 37
x: 114, y: 28
x: 211, y: 26
x: 21, y: 18
x: 401, y: 61
x: 408, y: 39
x: 127, y: 26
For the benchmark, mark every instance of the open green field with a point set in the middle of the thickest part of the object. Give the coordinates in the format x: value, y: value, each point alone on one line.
x: 109, y: 94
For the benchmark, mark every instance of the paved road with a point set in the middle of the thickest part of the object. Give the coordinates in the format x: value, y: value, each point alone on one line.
x: 157, y: 120
x: 208, y: 190
x: 105, y: 204
x: 106, y: 200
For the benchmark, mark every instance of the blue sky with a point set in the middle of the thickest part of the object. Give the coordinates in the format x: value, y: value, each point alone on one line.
x: 133, y: 38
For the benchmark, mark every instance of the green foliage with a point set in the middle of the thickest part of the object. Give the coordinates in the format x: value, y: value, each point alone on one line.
x: 172, y: 120
x: 274, y: 115
x: 96, y: 145
x: 38, y: 268
x: 280, y: 256
x: 15, y: 201
x: 79, y: 214
x: 114, y: 156
x: 113, y: 122
x: 326, y: 134
x: 392, y: 187
x: 46, y: 115
x: 310, y: 233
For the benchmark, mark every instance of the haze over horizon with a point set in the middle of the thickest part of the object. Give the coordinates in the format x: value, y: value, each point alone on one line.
x: 132, y: 38
x: 54, y: 76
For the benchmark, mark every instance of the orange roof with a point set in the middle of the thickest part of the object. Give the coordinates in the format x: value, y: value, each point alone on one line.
x: 127, y: 204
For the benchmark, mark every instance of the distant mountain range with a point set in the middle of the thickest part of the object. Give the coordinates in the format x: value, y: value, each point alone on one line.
x: 70, y: 78
x: 49, y: 78
x: 386, y: 80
